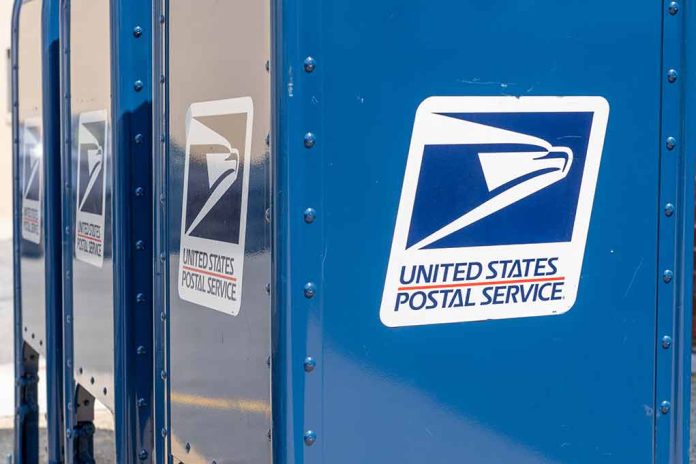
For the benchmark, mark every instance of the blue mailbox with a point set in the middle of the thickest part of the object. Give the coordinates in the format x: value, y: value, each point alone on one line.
x: 106, y: 124
x: 481, y: 228
x: 356, y: 232
x: 37, y: 234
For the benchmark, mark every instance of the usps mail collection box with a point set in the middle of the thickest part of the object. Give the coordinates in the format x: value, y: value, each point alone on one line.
x: 308, y: 232
x: 471, y: 218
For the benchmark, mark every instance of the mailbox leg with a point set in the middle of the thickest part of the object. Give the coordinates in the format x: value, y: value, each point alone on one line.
x: 84, y: 443
x: 27, y: 404
x: 83, y: 432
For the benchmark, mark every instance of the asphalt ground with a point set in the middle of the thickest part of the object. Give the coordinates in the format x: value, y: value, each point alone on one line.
x: 104, y: 436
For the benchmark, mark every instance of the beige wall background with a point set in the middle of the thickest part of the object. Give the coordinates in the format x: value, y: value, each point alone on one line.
x: 5, y: 123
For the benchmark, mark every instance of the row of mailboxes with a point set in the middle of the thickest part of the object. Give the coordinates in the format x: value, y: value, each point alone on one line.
x: 304, y: 232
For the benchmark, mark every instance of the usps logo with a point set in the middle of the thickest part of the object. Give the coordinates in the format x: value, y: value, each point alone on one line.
x: 31, y: 165
x: 92, y: 160
x: 214, y: 204
x: 495, y: 208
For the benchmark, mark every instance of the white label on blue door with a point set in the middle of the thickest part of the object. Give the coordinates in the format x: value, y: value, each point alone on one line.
x: 214, y: 204
x: 495, y: 208
x: 92, y: 161
x: 31, y: 164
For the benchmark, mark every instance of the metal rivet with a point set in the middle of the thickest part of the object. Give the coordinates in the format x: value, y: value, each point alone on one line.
x: 68, y: 362
x: 163, y: 375
x: 673, y: 8
x: 161, y: 19
x: 163, y: 432
x: 137, y: 31
x: 309, y: 215
x: 667, y: 276
x: 67, y: 230
x: 309, y: 290
x: 665, y: 407
x: 138, y: 138
x: 268, y: 288
x: 139, y: 245
x: 104, y: 391
x: 142, y: 455
x: 188, y: 447
x: 268, y: 140
x: 68, y: 433
x: 142, y: 403
x: 666, y: 342
x: 162, y: 79
x: 268, y: 66
x: 141, y: 350
x: 138, y: 85
x: 671, y: 142
x: 140, y: 297
x: 68, y: 318
x: 672, y: 75
x: 91, y: 380
x: 310, y: 438
x: 163, y: 317
x: 669, y: 209
x: 309, y: 140
x: 310, y: 64
x: 139, y: 192
x: 268, y: 215
x: 163, y: 257
x: 309, y: 364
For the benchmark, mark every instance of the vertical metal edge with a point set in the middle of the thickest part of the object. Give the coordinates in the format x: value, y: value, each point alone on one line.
x: 685, y: 212
x: 298, y: 246
x: 131, y: 114
x: 160, y: 251
x: 287, y: 423
x: 671, y: 275
x: 279, y: 408
x: 308, y: 248
x: 52, y: 228
x: 16, y: 242
x: 66, y: 209
x: 123, y: 415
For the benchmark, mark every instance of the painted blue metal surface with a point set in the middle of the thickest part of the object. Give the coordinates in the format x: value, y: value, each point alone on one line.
x: 131, y: 71
x: 37, y: 229
x: 606, y: 382
x: 107, y: 207
x: 54, y: 275
x: 680, y: 389
x: 585, y: 386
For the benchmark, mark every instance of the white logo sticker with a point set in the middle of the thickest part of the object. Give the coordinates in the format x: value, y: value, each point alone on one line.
x: 494, y: 209
x: 214, y: 206
x: 92, y: 161
x: 31, y: 164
